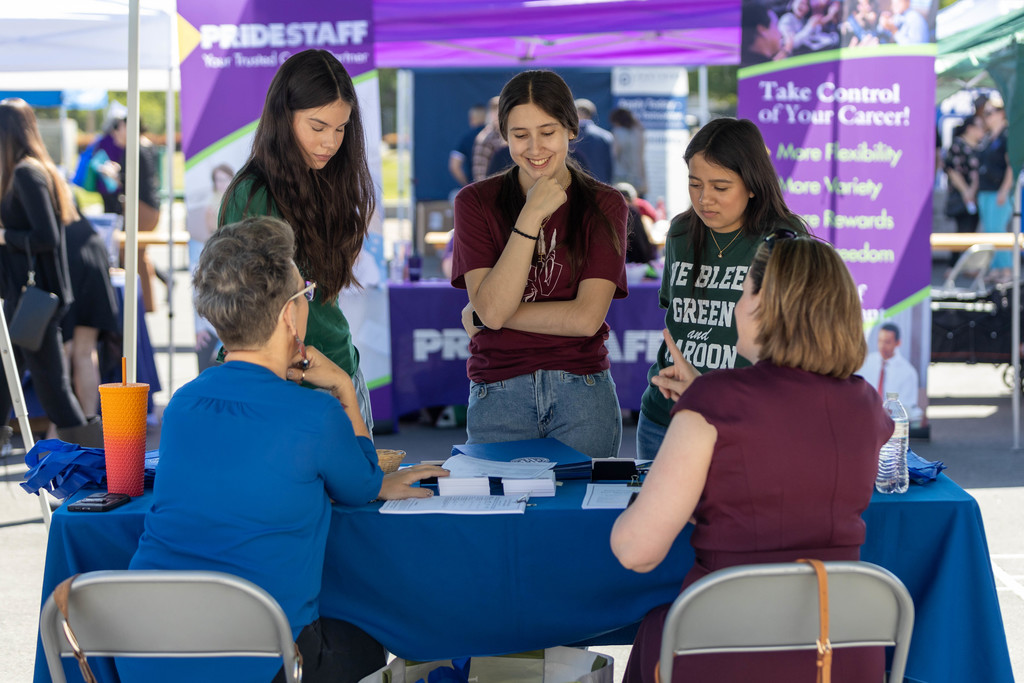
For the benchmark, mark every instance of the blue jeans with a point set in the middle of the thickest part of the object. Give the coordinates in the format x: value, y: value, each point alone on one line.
x: 996, y: 218
x: 581, y: 411
x: 649, y: 435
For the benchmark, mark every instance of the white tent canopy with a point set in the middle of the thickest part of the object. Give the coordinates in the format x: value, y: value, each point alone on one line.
x: 58, y: 44
x: 125, y: 45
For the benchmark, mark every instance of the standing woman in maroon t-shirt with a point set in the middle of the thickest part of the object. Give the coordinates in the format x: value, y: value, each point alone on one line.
x: 541, y: 250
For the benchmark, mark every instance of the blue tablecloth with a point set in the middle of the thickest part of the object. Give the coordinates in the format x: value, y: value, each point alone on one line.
x: 434, y: 586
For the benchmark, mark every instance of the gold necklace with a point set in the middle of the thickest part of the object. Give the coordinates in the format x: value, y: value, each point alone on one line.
x: 722, y: 249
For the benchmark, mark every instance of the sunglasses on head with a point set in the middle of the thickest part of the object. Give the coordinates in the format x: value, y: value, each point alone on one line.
x: 781, y: 234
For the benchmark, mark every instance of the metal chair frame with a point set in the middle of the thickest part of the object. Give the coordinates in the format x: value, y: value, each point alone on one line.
x: 774, y: 607
x: 164, y: 613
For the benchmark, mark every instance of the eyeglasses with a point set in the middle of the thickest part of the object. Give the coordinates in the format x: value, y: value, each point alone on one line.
x: 309, y: 291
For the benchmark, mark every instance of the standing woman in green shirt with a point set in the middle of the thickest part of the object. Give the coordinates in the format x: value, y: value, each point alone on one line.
x: 736, y: 200
x: 308, y: 166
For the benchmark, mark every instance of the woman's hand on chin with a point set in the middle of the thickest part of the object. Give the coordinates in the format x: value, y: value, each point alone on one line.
x: 398, y: 485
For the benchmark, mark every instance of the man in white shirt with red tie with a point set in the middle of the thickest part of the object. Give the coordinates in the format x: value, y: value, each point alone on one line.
x: 888, y: 371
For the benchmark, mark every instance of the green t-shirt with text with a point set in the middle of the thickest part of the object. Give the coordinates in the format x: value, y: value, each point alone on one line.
x: 700, y: 307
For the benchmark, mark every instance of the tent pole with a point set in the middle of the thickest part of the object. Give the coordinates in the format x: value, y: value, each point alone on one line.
x: 404, y: 124
x: 1015, y: 390
x: 702, y: 85
x: 131, y: 197
x: 170, y: 148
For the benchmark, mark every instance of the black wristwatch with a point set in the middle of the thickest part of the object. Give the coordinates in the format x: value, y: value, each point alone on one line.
x: 477, y: 323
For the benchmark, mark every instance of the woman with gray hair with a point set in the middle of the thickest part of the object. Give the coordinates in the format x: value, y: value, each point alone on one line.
x: 247, y: 427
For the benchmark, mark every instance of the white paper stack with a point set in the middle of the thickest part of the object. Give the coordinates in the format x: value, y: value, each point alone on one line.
x: 463, y: 486
x: 541, y: 486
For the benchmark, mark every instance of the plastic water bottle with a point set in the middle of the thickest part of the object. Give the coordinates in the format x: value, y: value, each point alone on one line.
x: 414, y: 267
x: 892, y: 461
x: 972, y: 208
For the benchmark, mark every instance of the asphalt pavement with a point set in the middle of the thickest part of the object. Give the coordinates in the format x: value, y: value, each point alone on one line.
x: 971, y: 432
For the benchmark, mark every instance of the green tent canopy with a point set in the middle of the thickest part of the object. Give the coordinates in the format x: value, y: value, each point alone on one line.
x: 995, y: 48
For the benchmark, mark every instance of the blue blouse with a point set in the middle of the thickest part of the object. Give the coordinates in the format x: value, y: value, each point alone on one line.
x: 248, y: 466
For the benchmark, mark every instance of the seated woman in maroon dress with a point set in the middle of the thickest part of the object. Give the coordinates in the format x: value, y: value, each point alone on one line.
x: 772, y: 462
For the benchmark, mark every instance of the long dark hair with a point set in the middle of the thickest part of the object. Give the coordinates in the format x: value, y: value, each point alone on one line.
x: 737, y: 145
x: 329, y: 209
x: 20, y: 141
x: 549, y: 92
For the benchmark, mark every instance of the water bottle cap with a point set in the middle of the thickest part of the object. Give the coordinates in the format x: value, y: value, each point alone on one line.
x: 891, y: 394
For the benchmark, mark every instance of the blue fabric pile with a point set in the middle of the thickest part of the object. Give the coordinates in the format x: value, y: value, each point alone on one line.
x: 63, y: 468
x: 923, y: 471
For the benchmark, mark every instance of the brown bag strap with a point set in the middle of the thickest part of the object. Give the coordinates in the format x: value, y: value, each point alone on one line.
x: 824, y: 644
x: 60, y: 596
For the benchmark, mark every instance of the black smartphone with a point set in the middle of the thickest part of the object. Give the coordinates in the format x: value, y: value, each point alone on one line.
x: 613, y: 469
x: 100, y: 501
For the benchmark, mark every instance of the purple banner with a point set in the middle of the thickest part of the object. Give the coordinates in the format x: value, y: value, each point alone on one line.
x: 232, y: 54
x: 853, y: 143
x: 846, y: 104
x: 429, y: 348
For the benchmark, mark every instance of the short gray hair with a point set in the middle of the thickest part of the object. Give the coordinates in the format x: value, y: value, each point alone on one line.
x: 244, y: 279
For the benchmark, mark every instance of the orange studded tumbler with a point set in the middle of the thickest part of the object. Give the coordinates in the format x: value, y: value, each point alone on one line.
x: 124, y: 435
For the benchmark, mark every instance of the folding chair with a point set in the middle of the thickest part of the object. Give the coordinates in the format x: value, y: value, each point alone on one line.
x: 968, y: 274
x: 773, y: 607
x: 158, y: 613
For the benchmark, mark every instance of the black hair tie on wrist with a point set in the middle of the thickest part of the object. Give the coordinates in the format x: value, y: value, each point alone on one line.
x: 520, y: 232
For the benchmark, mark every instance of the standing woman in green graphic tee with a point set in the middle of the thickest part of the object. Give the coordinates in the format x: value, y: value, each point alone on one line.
x: 736, y: 200
x: 308, y: 166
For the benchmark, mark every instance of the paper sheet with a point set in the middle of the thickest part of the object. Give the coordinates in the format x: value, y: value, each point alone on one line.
x: 466, y: 466
x: 608, y: 496
x: 454, y: 505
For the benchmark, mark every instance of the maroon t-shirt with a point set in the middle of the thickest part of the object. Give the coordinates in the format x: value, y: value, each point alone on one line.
x: 480, y: 239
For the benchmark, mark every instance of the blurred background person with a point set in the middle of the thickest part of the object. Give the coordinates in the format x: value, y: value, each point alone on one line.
x: 638, y: 241
x: 92, y: 316
x: 113, y: 142
x: 960, y: 162
x: 460, y: 159
x: 995, y: 182
x: 487, y: 142
x: 35, y: 206
x: 628, y: 150
x: 594, y: 145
